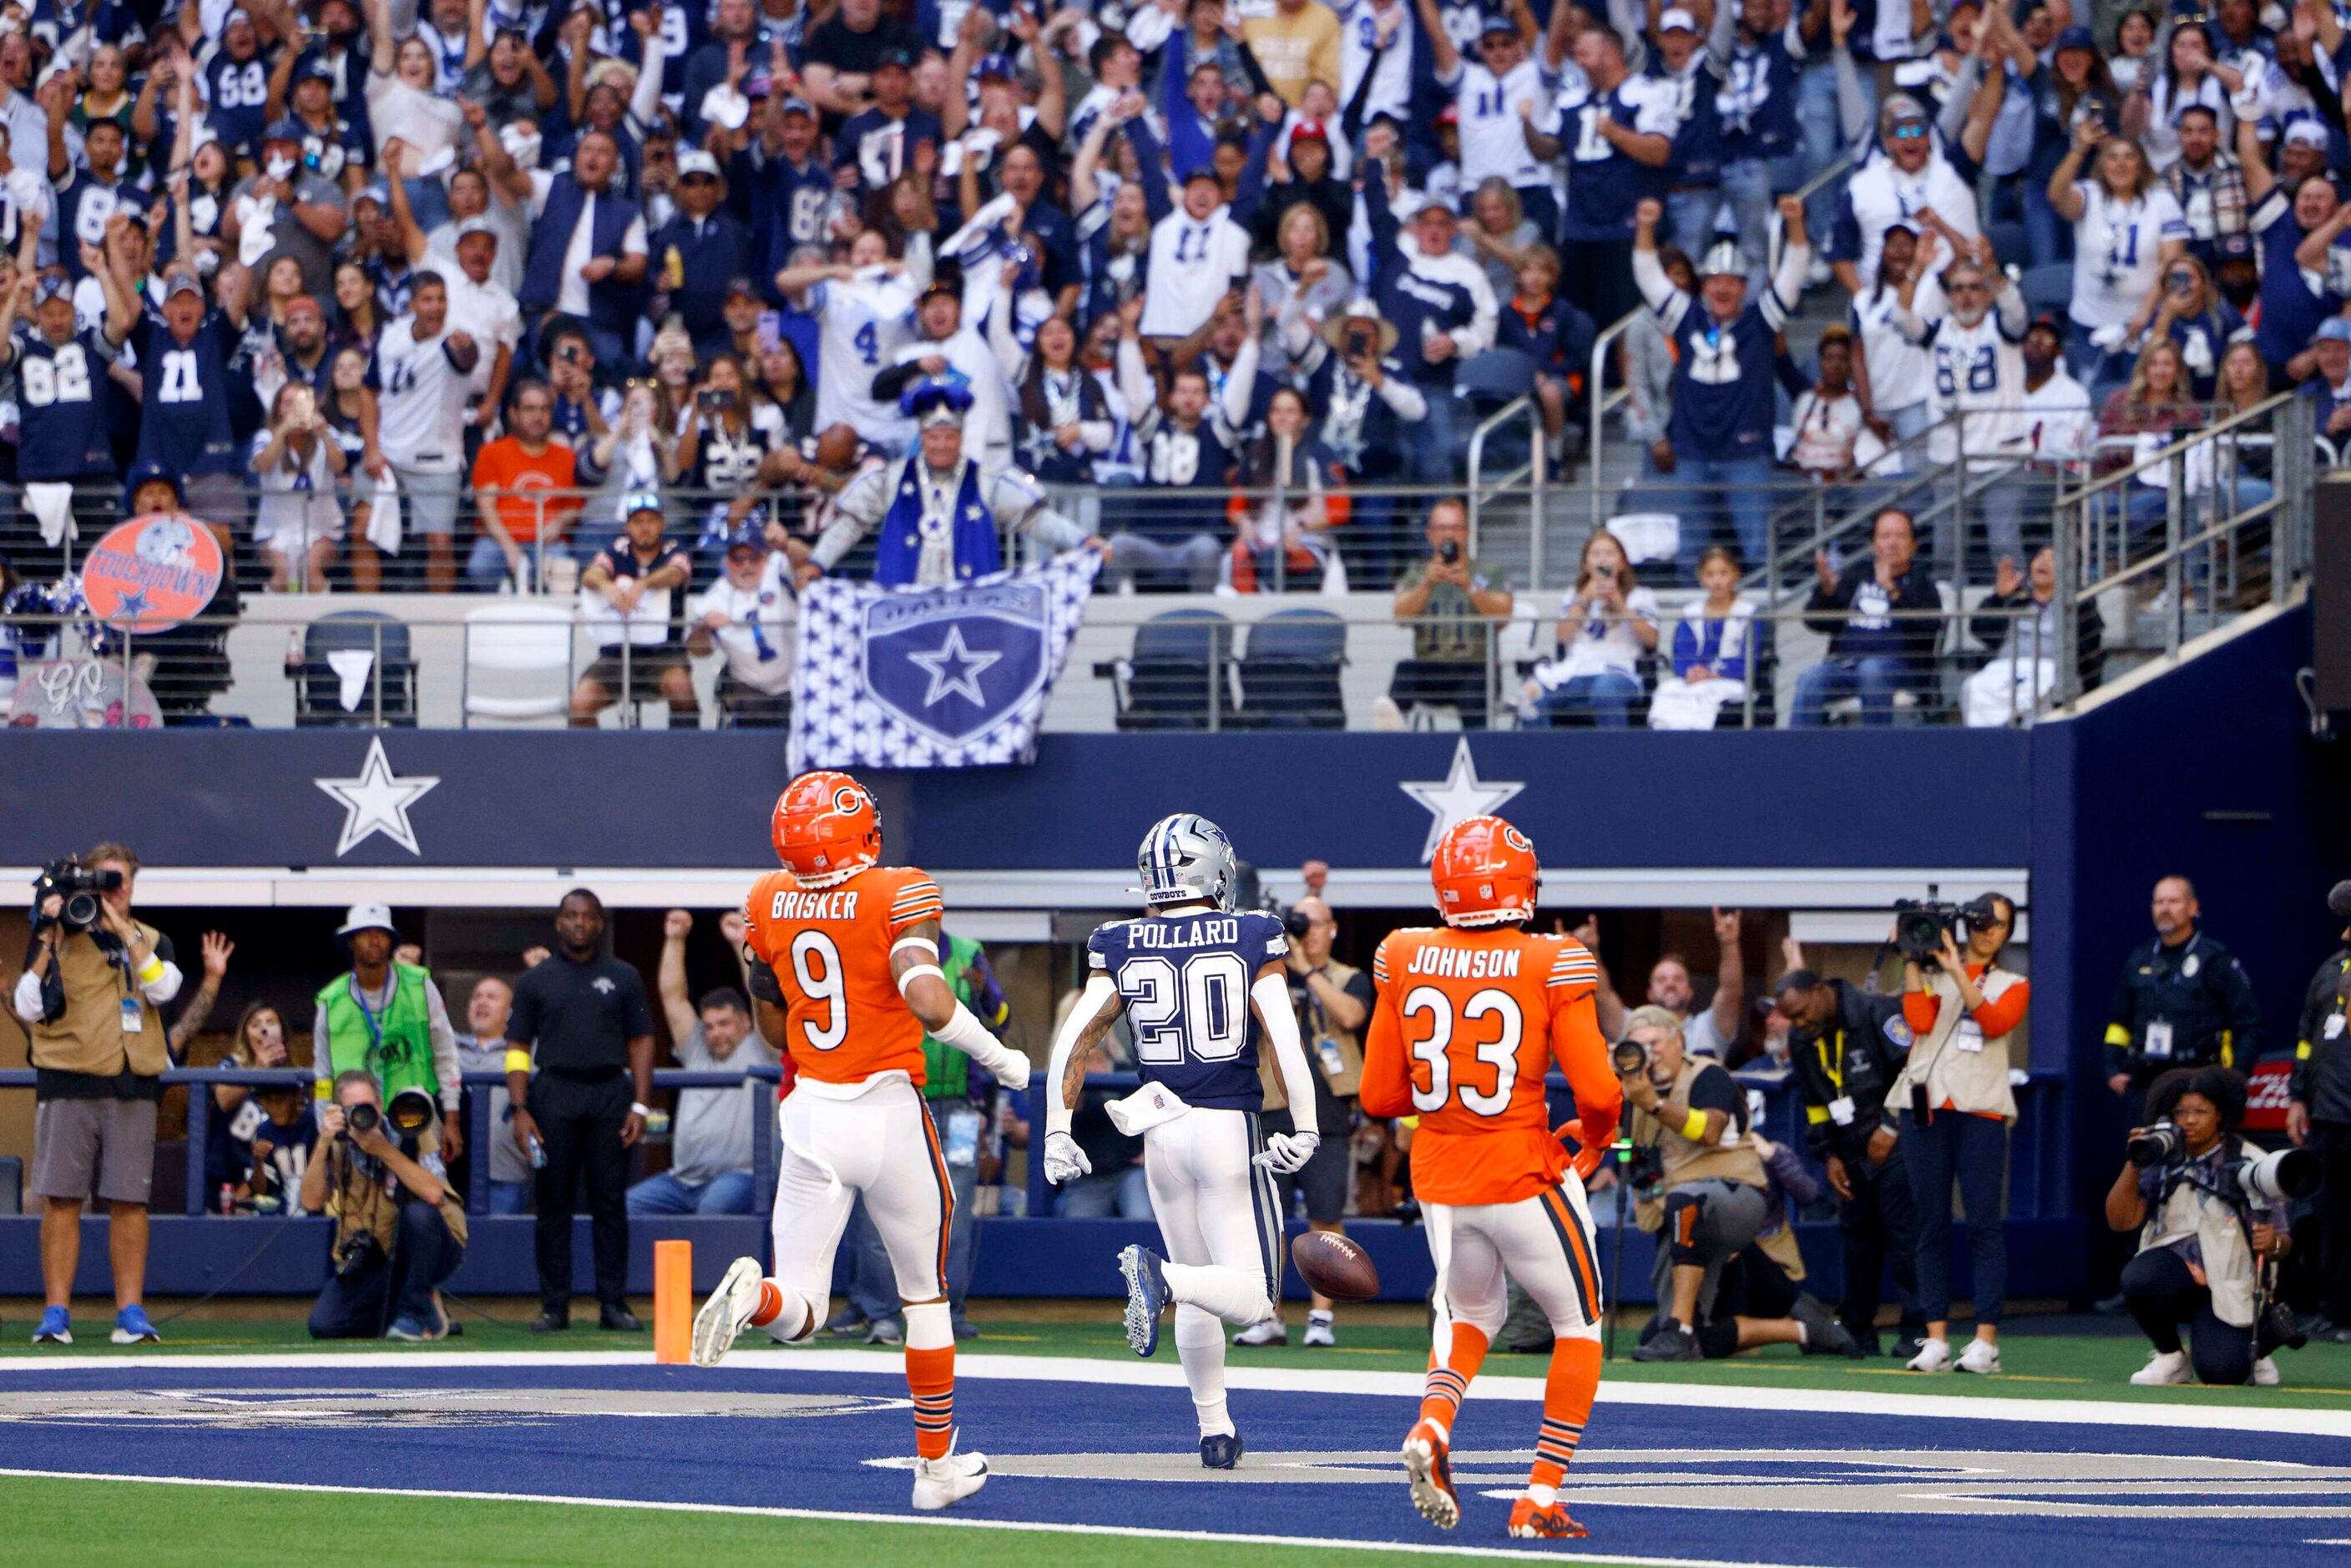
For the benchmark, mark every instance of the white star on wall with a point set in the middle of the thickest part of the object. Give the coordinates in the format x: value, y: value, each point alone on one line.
x: 377, y: 802
x: 968, y: 663
x: 1460, y: 796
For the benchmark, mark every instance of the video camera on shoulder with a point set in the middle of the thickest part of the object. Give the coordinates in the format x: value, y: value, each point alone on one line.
x: 1921, y: 924
x: 80, y: 886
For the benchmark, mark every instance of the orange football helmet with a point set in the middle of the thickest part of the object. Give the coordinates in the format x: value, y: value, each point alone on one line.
x: 1485, y: 873
x: 826, y: 828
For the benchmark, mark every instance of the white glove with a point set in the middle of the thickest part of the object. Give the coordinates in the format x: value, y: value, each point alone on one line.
x: 1285, y: 1152
x: 1064, y: 1161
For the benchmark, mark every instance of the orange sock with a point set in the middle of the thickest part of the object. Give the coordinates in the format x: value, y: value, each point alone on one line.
x: 1574, y: 1379
x: 930, y: 1377
x: 1448, y: 1380
x: 770, y: 1307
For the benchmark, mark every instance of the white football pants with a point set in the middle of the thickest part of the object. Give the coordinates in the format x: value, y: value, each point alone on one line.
x: 840, y: 1140
x: 1221, y: 1223
x: 1545, y: 1242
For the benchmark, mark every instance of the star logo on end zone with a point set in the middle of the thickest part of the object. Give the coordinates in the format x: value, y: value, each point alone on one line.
x: 1458, y: 797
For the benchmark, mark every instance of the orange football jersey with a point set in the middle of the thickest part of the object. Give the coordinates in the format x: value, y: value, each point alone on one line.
x: 830, y: 947
x: 1467, y: 1023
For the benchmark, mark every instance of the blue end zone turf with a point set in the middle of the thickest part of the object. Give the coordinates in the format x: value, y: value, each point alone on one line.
x: 1682, y: 1480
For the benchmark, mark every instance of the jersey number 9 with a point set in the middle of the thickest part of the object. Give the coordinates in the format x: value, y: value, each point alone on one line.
x: 1487, y: 1011
x: 822, y: 984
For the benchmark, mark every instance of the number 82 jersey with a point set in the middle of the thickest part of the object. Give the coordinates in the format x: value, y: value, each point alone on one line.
x: 1185, y: 980
x: 844, y: 1020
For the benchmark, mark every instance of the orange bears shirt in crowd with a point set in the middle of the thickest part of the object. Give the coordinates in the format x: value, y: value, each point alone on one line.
x: 1466, y: 1026
x: 830, y: 948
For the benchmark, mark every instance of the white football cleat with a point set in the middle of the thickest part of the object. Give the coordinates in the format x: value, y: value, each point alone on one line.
x: 938, y: 1482
x: 1270, y: 1332
x: 1322, y: 1333
x: 1935, y: 1355
x: 2162, y: 1367
x: 728, y: 1311
x: 1982, y: 1358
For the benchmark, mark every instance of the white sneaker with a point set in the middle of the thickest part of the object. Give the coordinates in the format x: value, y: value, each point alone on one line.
x: 1270, y: 1332
x: 2265, y: 1373
x: 1982, y: 1358
x: 1818, y: 274
x: 728, y: 1311
x: 1322, y: 1333
x: 1388, y: 719
x: 2162, y: 1367
x: 1934, y: 1355
x: 938, y: 1482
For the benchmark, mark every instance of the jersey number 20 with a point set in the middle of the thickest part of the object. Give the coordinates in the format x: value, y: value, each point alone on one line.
x: 1501, y: 1053
x: 1200, y: 1009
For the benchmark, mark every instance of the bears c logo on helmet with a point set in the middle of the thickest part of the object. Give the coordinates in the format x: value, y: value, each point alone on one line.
x: 846, y: 799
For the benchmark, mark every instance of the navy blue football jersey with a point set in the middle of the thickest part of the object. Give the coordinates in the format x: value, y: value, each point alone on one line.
x: 1186, y: 981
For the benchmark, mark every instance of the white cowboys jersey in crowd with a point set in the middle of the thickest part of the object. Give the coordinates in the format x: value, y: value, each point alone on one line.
x: 867, y: 318
x: 1978, y: 370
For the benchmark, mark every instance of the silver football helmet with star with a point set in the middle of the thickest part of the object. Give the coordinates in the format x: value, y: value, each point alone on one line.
x: 1187, y: 857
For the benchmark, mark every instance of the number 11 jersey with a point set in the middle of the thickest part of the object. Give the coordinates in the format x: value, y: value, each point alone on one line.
x: 1186, y: 981
x: 830, y: 947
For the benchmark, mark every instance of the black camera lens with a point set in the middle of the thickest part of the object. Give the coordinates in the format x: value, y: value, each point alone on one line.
x: 1631, y: 1056
x: 2160, y: 1144
x: 80, y: 912
x: 362, y: 1118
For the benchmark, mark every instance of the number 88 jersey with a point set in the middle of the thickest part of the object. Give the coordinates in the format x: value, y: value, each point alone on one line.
x: 830, y: 947
x: 1467, y: 1025
x: 1184, y: 980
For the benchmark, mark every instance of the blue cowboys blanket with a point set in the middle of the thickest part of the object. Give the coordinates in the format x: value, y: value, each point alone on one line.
x: 934, y: 677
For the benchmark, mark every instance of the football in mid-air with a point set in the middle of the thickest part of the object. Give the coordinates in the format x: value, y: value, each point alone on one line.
x: 1334, y: 1266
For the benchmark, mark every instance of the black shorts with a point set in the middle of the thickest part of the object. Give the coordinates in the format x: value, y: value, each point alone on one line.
x: 1323, y: 1178
x: 646, y: 668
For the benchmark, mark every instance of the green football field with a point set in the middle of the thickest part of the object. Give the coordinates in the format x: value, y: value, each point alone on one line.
x: 100, y: 1524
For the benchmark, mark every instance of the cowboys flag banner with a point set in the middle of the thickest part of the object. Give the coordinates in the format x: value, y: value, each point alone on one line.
x: 934, y: 677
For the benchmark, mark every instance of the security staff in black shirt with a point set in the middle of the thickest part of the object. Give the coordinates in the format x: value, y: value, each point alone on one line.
x: 2319, y: 1114
x: 582, y: 1017
x: 1846, y: 1048
x: 2182, y: 1000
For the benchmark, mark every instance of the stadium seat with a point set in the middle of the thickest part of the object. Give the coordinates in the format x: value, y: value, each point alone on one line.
x: 1289, y: 672
x: 519, y: 642
x: 1487, y: 381
x: 1167, y: 681
x: 2047, y: 287
x: 356, y: 664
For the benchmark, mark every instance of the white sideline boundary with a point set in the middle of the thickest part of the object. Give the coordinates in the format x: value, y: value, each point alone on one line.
x: 1418, y: 1548
x: 2239, y: 1417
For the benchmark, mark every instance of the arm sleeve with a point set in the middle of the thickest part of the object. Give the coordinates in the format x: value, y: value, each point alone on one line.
x: 1272, y: 995
x: 26, y: 999
x: 1386, y: 1085
x: 447, y: 1067
x: 522, y: 1019
x: 1658, y: 290
x: 1919, y: 1010
x: 165, y: 986
x: 2003, y: 1013
x: 1582, y: 1052
x: 1100, y: 989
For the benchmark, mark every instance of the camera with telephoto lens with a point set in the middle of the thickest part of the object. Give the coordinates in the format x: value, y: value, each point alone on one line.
x: 363, y: 1117
x: 80, y: 886
x: 2159, y: 1145
x: 1631, y: 1057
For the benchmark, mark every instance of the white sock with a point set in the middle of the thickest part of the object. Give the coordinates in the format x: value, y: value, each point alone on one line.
x: 1804, y: 1335
x: 929, y: 1327
x: 1235, y: 1295
x: 1200, y: 1345
x: 1543, y: 1496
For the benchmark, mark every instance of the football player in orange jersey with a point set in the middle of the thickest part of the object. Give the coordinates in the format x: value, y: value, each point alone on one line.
x: 1469, y: 1021
x: 845, y: 963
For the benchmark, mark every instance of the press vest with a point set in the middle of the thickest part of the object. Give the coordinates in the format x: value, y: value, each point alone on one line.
x: 947, y: 1071
x: 1345, y: 1048
x: 397, y: 1049
x: 89, y: 1036
x: 1685, y: 1159
x: 1956, y: 1062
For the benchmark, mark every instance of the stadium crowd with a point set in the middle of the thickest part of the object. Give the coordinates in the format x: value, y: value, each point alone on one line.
x: 402, y: 295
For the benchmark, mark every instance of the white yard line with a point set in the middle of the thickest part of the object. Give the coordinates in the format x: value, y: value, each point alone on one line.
x: 1425, y: 1549
x: 1292, y: 1380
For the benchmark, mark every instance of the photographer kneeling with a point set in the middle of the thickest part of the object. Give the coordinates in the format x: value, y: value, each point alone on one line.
x: 399, y: 1231
x: 1715, y: 1202
x: 2210, y: 1218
